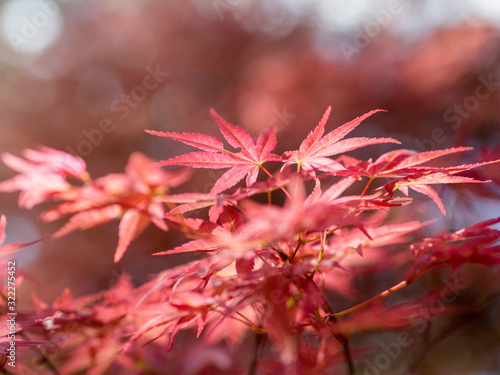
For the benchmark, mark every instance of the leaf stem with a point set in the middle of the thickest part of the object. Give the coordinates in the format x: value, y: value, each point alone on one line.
x: 323, y: 241
x: 366, y: 187
x: 282, y: 188
x: 319, y: 236
x: 299, y: 244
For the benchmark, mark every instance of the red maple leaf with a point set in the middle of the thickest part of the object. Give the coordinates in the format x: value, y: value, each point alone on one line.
x: 421, y: 184
x: 406, y: 167
x: 134, y: 197
x: 314, y: 150
x: 397, y: 163
x: 476, y: 244
x: 42, y: 175
x: 195, y: 201
x: 247, y: 162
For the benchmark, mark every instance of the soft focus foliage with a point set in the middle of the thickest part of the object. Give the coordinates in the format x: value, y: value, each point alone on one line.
x: 269, y: 270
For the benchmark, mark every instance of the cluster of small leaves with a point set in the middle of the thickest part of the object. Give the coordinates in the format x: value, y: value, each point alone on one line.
x: 265, y: 268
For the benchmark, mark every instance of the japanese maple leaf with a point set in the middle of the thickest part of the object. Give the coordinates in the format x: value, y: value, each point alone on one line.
x: 219, y: 238
x: 209, y: 236
x: 476, y: 244
x: 344, y: 241
x: 247, y: 162
x: 42, y: 175
x: 314, y: 151
x: 398, y: 163
x: 355, y: 202
x: 134, y: 197
x: 272, y: 223
x: 397, y: 316
x: 48, y: 160
x: 195, y: 201
x: 420, y: 183
x: 406, y: 167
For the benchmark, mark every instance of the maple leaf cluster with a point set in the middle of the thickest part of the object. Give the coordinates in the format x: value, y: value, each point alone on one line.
x: 264, y: 272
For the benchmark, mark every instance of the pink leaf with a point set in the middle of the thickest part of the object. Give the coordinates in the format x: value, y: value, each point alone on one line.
x: 233, y: 176
x: 90, y: 218
x: 315, y: 147
x: 430, y: 192
x: 247, y: 162
x: 131, y: 225
x: 202, y: 141
x: 236, y: 136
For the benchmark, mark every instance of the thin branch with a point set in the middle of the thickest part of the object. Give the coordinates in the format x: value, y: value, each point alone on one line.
x: 366, y: 187
x: 252, y: 368
x: 323, y: 241
x: 396, y: 287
